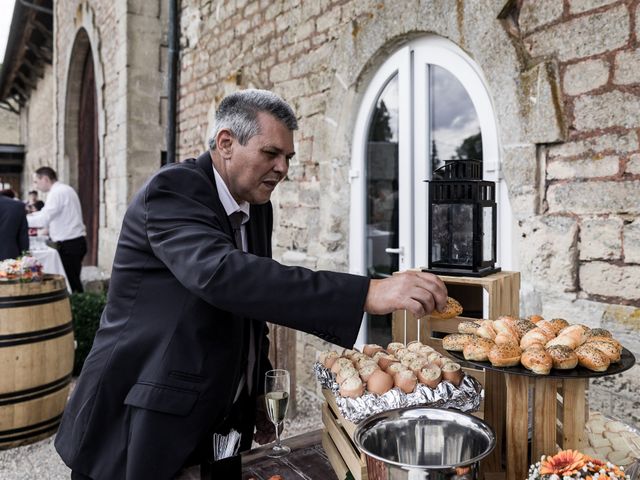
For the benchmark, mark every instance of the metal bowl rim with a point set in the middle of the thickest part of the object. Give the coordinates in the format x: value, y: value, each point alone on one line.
x: 360, y: 428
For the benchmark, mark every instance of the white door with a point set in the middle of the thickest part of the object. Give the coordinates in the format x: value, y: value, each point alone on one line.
x: 426, y: 104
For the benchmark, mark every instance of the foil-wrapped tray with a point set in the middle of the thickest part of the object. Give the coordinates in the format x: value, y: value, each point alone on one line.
x: 466, y: 397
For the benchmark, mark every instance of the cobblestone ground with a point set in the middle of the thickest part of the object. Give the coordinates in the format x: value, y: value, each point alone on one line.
x: 39, y: 461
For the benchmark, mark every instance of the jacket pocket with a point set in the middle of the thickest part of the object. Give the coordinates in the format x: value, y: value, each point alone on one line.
x: 162, y: 398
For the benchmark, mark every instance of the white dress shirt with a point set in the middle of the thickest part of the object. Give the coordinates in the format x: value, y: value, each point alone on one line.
x: 61, y: 214
x: 230, y: 207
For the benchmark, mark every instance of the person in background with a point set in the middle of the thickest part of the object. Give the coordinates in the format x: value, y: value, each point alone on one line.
x: 62, y: 216
x: 14, y: 238
x: 31, y: 200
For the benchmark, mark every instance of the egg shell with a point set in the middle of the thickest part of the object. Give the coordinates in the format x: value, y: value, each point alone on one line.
x: 405, y: 381
x: 380, y: 382
x: 346, y: 373
x: 385, y: 360
x: 371, y: 349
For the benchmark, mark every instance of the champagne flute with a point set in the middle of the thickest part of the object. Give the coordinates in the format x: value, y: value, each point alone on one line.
x: 276, y: 388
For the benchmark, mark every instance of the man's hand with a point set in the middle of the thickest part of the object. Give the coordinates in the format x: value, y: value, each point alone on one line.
x: 418, y: 292
x: 265, y: 430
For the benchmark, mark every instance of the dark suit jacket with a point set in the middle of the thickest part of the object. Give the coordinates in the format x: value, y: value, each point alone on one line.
x: 14, y: 233
x: 171, y: 348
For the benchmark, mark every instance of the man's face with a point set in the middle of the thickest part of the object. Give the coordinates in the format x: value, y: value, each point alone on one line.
x: 41, y: 182
x: 253, y: 171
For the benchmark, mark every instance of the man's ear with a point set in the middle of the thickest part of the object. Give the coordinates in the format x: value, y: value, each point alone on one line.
x: 224, y: 142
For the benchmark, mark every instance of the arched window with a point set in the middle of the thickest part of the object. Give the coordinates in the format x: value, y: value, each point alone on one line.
x: 426, y: 104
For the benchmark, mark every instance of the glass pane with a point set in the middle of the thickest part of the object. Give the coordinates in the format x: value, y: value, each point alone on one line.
x: 455, y: 129
x: 487, y: 234
x: 382, y: 198
x: 452, y: 234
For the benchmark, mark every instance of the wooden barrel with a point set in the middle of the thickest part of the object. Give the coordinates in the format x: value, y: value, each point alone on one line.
x: 36, y: 358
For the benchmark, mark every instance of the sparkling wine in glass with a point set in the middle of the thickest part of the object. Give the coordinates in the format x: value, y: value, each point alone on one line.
x: 276, y: 388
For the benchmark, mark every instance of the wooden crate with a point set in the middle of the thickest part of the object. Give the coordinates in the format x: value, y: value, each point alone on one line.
x: 502, y: 293
x: 337, y: 440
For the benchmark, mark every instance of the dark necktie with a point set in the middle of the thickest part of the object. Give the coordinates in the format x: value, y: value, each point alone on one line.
x: 236, y: 224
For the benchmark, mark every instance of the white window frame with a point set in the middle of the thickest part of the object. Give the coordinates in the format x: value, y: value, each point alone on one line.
x: 409, y: 63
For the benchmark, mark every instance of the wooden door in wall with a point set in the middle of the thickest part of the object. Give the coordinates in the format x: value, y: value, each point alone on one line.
x: 88, y: 161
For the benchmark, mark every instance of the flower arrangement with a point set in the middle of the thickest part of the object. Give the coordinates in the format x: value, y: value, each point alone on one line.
x: 21, y: 269
x: 571, y: 464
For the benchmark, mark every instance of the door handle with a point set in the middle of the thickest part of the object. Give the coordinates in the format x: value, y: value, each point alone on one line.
x: 397, y: 251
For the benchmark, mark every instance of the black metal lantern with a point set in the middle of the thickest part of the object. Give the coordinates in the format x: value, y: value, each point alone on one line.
x: 462, y: 220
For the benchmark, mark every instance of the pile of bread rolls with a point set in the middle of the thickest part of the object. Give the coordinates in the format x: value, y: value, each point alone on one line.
x: 535, y: 343
x: 378, y: 370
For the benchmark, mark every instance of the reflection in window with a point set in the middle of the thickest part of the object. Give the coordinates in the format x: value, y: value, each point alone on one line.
x: 455, y: 128
x: 382, y: 198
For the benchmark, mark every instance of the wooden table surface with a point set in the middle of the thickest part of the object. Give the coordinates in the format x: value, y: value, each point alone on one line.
x: 307, y: 461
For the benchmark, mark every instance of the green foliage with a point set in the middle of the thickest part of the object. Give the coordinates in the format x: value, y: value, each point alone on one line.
x: 86, y: 309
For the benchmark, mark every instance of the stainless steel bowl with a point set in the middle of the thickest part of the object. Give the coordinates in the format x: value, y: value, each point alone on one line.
x: 418, y: 443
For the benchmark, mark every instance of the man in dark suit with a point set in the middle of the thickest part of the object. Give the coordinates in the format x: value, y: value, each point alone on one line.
x: 182, y: 346
x: 14, y: 234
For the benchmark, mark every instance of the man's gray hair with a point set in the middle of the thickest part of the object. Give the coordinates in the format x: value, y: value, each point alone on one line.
x: 238, y: 113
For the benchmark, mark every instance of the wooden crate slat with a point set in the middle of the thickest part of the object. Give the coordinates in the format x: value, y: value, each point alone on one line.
x: 335, y: 459
x: 517, y: 426
x: 574, y: 413
x: 350, y: 455
x: 544, y: 413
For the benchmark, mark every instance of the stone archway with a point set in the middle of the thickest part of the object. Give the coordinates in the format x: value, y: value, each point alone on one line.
x: 81, y: 145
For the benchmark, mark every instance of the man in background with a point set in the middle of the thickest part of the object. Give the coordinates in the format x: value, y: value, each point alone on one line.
x: 62, y: 215
x: 14, y: 238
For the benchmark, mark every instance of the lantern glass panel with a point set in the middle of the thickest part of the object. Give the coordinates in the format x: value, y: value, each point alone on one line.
x: 487, y: 236
x: 452, y: 234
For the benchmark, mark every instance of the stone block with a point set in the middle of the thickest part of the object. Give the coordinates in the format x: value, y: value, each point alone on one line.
x: 280, y: 72
x: 596, y: 145
x: 535, y: 13
x: 583, y: 168
x: 627, y: 67
x: 631, y: 241
x: 549, y: 259
x: 579, y: 6
x: 540, y: 104
x: 598, y: 197
x: 607, y: 280
x: 600, y: 238
x: 328, y: 20
x: 610, y: 109
x: 583, y: 36
x: 633, y: 165
x: 585, y: 76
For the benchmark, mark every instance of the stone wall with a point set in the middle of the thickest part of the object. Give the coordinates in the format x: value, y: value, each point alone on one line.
x: 128, y: 44
x: 39, y: 120
x: 581, y: 257
x: 9, y: 127
x: 563, y: 77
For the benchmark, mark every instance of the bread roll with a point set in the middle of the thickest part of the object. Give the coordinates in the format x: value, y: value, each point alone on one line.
x: 576, y: 331
x: 486, y: 330
x: 610, y: 349
x: 523, y: 326
x: 506, y: 339
x: 535, y: 336
x: 430, y: 375
x: 451, y: 309
x: 505, y: 327
x: 455, y: 342
x: 405, y: 381
x: 601, y: 338
x: 507, y: 318
x: 468, y: 327
x: 371, y: 349
x: 565, y: 340
x: 547, y: 328
x: 592, y: 358
x: 598, y: 332
x: 535, y: 318
x: 563, y: 357
x: 505, y: 355
x: 558, y: 324
x: 537, y: 360
x: 352, y: 387
x: 452, y: 372
x: 478, y: 349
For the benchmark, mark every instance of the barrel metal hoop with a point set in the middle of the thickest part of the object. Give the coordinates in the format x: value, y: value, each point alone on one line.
x: 35, y: 392
x: 49, y: 425
x: 31, y: 300
x: 36, y: 336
